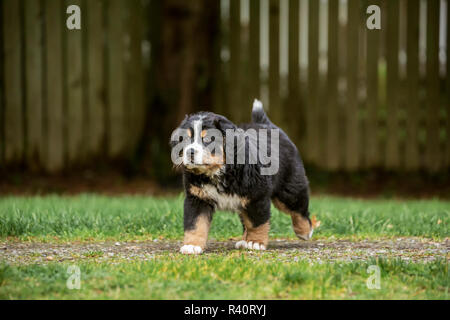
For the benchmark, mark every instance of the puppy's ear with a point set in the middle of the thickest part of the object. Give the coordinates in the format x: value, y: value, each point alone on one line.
x: 222, y: 123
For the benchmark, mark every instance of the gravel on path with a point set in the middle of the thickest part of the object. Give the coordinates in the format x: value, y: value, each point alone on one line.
x: 321, y: 251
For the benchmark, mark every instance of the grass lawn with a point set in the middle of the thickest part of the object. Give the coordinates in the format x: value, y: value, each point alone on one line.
x: 226, y: 277
x: 89, y: 217
x: 230, y: 274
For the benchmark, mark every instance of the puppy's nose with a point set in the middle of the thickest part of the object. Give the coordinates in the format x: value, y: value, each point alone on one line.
x: 191, y: 153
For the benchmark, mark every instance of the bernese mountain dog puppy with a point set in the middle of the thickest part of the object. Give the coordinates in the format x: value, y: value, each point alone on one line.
x: 215, y: 179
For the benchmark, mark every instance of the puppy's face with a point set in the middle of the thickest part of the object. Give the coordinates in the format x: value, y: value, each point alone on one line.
x: 198, y: 143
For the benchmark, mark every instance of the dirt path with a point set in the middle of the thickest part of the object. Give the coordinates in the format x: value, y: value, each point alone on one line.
x: 410, y: 249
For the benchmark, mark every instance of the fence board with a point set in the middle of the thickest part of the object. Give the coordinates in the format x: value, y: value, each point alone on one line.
x: 134, y: 83
x: 2, y: 106
x: 275, y: 108
x: 312, y: 126
x: 293, y: 108
x: 373, y: 49
x: 235, y: 59
x: 222, y: 81
x: 433, y: 158
x: 246, y: 99
x: 54, y: 97
x: 96, y: 80
x: 332, y: 139
x: 412, y: 160
x: 116, y: 120
x: 14, y: 135
x: 392, y: 148
x: 448, y: 86
x: 352, y: 128
x: 33, y: 71
x: 218, y: 76
x: 74, y: 90
x: 254, y: 49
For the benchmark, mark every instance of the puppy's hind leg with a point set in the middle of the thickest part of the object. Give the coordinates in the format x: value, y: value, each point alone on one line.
x: 300, y: 217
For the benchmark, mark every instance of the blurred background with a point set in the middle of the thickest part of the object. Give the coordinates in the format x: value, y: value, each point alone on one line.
x: 94, y: 108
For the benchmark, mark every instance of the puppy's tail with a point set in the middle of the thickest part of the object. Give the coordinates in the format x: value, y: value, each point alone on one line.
x: 258, y: 114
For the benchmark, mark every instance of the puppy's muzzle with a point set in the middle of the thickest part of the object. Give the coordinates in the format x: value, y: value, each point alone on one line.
x: 193, y: 154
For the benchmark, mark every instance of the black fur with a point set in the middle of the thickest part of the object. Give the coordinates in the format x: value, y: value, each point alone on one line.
x: 289, y: 185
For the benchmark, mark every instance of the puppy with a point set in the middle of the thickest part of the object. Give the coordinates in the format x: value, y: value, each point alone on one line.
x: 216, y: 176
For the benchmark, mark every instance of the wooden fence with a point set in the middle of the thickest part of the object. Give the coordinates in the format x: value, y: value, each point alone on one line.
x: 71, y: 95
x: 350, y: 97
x: 361, y: 98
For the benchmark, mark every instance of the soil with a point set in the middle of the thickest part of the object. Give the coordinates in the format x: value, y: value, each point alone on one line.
x: 329, y: 250
x: 112, y: 182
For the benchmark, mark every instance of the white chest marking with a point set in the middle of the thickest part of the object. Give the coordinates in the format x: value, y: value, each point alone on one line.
x: 224, y: 201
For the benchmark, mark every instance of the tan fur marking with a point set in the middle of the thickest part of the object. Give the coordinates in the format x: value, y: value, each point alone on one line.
x: 212, y: 160
x: 259, y: 234
x: 189, y: 133
x: 301, y: 225
x: 244, y: 202
x: 209, y: 170
x: 203, y: 133
x: 198, y: 192
x: 199, y: 234
x: 211, y: 165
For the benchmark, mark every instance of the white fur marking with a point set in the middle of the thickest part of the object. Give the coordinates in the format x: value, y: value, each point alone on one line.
x: 257, y: 104
x: 256, y: 246
x: 306, y: 237
x: 249, y: 245
x: 241, y: 244
x: 224, y: 201
x: 190, y: 249
x: 196, y: 145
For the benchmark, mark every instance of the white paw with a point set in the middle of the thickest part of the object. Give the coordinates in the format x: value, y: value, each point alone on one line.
x: 241, y: 244
x: 190, y: 249
x: 307, y: 237
x: 250, y: 245
x: 256, y: 246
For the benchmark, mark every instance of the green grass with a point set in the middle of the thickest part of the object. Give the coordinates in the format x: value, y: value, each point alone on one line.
x: 91, y: 217
x: 226, y: 277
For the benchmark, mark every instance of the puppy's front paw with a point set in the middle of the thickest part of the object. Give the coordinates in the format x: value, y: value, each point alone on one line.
x: 255, y: 246
x: 190, y: 249
x: 250, y: 245
x: 241, y: 244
